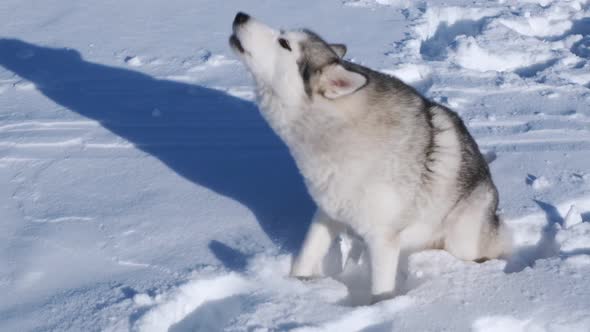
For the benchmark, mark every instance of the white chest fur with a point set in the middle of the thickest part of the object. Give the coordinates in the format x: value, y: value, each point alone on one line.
x: 345, y: 172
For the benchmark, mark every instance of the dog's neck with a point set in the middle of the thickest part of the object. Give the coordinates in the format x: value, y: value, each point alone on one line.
x: 297, y: 119
x: 280, y: 111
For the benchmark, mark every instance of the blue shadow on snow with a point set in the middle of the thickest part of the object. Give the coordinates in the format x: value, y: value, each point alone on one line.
x: 209, y: 137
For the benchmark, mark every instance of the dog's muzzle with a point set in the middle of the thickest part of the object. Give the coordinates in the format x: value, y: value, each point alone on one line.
x: 239, y: 20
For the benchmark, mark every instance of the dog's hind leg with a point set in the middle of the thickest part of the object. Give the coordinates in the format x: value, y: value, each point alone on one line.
x: 473, y: 231
x: 318, y: 240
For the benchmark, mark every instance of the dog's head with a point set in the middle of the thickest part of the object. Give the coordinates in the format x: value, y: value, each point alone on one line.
x: 291, y: 61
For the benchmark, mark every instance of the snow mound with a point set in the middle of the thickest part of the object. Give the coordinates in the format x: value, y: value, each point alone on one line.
x: 540, y: 183
x: 172, y: 308
x: 372, y: 3
x: 469, y: 54
x: 419, y: 76
x: 134, y: 61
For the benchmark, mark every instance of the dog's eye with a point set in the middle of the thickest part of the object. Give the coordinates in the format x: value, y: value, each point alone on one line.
x: 284, y: 44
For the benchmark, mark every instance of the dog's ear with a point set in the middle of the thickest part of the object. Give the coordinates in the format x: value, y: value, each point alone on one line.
x: 339, y: 49
x: 336, y: 81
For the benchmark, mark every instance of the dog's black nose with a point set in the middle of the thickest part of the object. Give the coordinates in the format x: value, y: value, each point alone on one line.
x: 241, y: 18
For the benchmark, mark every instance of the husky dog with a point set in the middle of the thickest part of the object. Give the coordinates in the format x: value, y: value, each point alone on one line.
x: 378, y: 159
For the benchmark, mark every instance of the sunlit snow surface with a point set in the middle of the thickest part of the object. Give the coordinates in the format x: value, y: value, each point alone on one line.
x: 141, y: 190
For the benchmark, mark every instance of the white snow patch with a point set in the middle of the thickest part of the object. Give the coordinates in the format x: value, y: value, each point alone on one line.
x: 216, y: 60
x: 540, y: 26
x: 242, y: 92
x: 437, y: 17
x: 578, y: 261
x: 134, y: 61
x: 174, y: 307
x: 24, y: 86
x: 371, y: 3
x: 143, y: 300
x: 470, y: 55
x: 541, y: 183
x: 61, y: 219
x: 576, y: 237
x: 411, y: 73
x: 573, y: 217
x: 504, y: 324
x: 131, y: 263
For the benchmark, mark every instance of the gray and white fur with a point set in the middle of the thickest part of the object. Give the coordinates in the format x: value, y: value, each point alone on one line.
x: 379, y: 159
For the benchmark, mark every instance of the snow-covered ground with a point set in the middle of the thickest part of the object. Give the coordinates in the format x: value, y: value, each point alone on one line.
x: 140, y: 189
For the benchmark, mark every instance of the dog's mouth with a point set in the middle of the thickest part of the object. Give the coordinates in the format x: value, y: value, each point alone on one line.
x: 235, y: 43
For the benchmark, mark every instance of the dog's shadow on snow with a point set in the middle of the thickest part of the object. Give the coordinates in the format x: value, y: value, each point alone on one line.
x: 546, y: 247
x: 207, y: 136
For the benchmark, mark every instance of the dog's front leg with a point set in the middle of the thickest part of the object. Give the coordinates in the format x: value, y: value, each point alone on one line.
x: 318, y: 240
x: 384, y: 256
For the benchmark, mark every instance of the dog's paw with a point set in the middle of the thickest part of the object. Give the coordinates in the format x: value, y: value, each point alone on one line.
x: 303, y: 271
x: 306, y: 279
x: 381, y: 297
